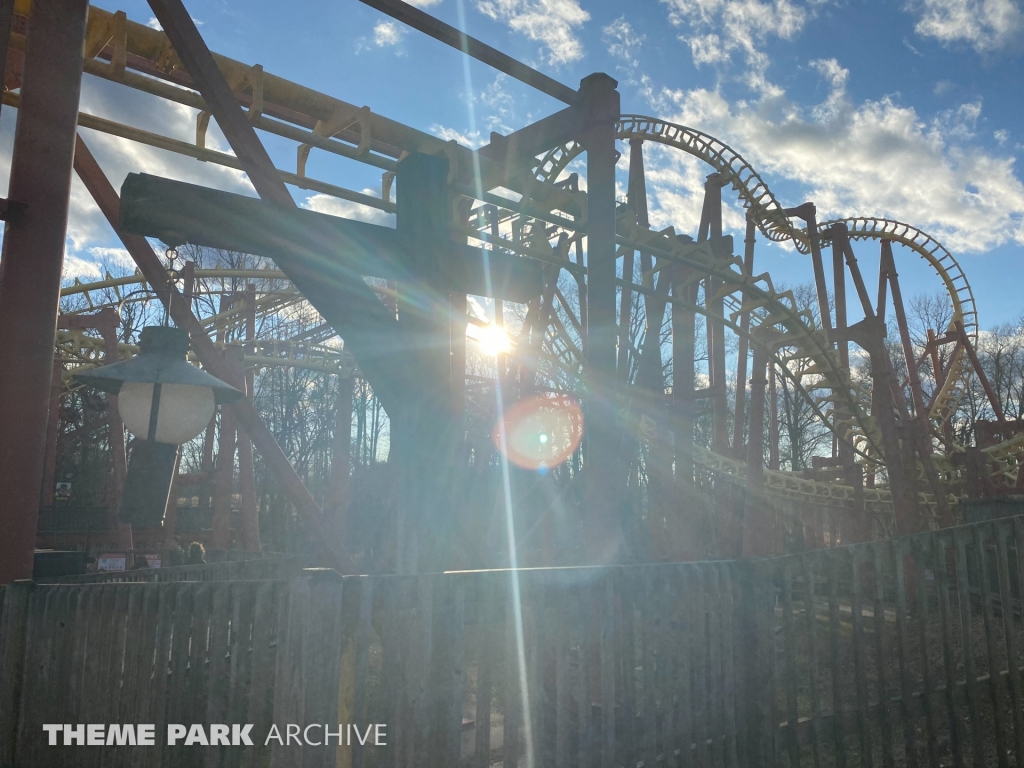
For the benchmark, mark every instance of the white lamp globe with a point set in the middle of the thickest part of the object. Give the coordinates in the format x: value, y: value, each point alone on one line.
x: 184, y: 410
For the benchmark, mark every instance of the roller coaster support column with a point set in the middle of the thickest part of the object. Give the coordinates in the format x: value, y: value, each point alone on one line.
x: 741, y: 354
x: 859, y: 528
x: 920, y: 426
x: 711, y: 227
x: 604, y: 489
x: 30, y: 269
x: 684, y: 289
x: 972, y: 353
x: 870, y: 335
x: 107, y: 327
x: 426, y: 439
x: 223, y: 475
x: 808, y: 212
x: 758, y: 533
x: 246, y: 468
x: 52, y: 435
x: 341, y: 456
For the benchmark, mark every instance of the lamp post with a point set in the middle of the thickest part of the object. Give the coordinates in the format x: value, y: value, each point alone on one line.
x: 165, y: 401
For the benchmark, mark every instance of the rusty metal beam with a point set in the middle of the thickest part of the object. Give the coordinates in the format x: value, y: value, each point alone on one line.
x: 758, y: 533
x: 741, y: 355
x: 30, y: 271
x: 470, y: 46
x: 972, y: 353
x: 248, y: 418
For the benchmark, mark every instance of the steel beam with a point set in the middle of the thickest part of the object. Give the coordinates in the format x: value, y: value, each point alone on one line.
x: 603, y: 482
x: 758, y: 531
x: 424, y: 426
x: 742, y: 353
x: 246, y: 468
x: 30, y: 269
x: 301, y: 241
x: 470, y: 46
x: 860, y: 526
x: 223, y: 475
x: 341, y: 456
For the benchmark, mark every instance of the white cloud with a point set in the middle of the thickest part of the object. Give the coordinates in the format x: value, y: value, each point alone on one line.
x: 501, y: 113
x: 90, y: 242
x: 623, y: 41
x: 423, y: 3
x: 387, y: 33
x: 1002, y: 136
x: 549, y: 22
x: 153, y: 23
x: 986, y: 26
x: 874, y: 158
x: 83, y: 269
x: 716, y: 30
x: 472, y: 140
x: 910, y: 47
x: 349, y: 210
x: 707, y: 49
x: 115, y: 256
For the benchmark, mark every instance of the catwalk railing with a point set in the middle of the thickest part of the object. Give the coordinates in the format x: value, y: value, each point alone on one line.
x: 899, y: 652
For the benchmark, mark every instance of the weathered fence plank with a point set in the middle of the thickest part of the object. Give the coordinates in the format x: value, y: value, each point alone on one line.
x: 863, y: 720
x: 907, y: 715
x: 960, y: 537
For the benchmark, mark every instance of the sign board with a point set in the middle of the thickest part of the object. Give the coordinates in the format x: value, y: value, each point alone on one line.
x: 62, y: 491
x: 111, y: 563
x: 153, y: 561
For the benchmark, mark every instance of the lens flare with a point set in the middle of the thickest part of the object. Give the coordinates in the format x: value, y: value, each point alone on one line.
x: 540, y: 432
x: 492, y: 340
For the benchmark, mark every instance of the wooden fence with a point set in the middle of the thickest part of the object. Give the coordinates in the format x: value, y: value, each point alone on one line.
x: 901, y: 652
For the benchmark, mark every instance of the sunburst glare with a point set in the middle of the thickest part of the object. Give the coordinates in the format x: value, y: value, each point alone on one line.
x: 492, y: 340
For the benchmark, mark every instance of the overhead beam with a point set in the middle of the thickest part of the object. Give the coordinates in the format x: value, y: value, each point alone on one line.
x: 342, y: 250
x: 449, y: 35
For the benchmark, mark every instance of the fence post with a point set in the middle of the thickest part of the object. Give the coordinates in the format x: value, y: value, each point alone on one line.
x: 755, y: 644
x: 13, y: 627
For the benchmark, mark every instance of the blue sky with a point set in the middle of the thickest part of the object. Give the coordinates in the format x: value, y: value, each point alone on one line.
x: 907, y: 110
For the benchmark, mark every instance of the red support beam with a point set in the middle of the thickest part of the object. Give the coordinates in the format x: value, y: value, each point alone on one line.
x: 31, y: 265
x: 224, y: 474
x: 758, y: 528
x: 741, y: 355
x: 972, y: 353
x: 246, y: 468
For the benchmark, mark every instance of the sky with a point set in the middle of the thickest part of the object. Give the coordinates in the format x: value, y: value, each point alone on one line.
x: 909, y: 110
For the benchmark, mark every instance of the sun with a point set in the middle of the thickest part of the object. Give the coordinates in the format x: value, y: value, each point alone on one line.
x: 492, y: 340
